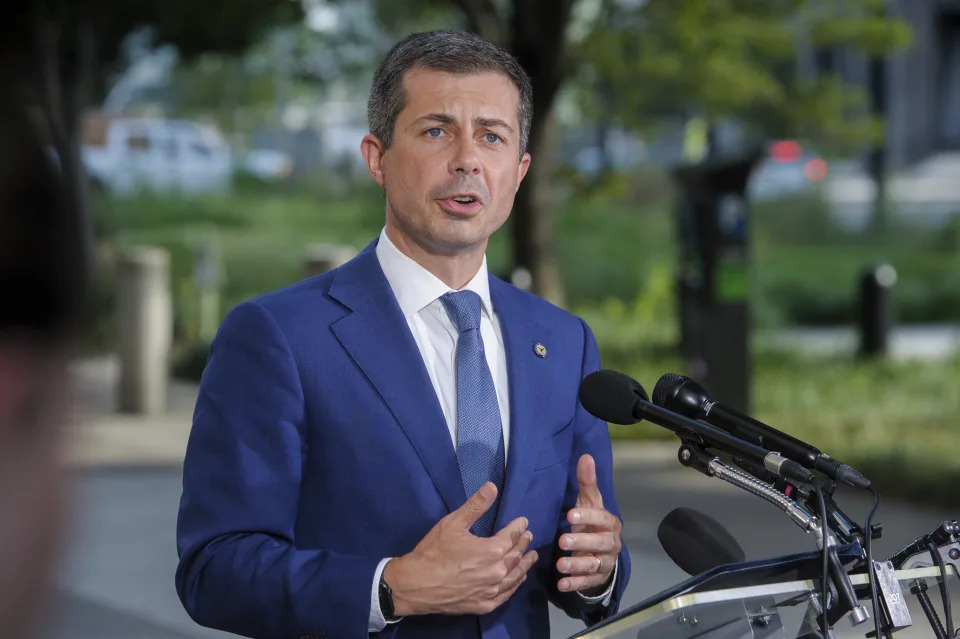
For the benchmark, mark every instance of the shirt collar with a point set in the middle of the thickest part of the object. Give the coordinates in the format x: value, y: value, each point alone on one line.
x: 415, y: 287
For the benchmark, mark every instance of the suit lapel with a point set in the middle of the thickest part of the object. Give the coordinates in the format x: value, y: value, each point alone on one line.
x: 530, y: 388
x: 377, y: 337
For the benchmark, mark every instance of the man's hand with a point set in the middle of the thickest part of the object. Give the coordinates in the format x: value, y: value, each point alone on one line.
x: 594, y: 537
x: 453, y: 572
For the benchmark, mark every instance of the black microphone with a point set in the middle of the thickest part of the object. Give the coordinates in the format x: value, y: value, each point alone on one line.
x: 687, y: 397
x: 618, y: 398
x: 696, y: 542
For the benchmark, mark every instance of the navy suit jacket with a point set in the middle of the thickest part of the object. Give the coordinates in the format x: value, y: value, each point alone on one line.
x: 319, y: 447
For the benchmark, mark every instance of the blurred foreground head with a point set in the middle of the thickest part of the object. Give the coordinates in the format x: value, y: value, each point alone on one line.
x: 38, y: 289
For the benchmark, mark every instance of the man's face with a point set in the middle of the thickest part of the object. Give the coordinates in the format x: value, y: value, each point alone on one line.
x: 454, y: 167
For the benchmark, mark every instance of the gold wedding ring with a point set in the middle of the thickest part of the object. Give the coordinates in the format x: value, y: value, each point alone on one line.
x: 599, y: 563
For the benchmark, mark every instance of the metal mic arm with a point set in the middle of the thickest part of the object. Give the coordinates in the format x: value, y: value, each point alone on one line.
x: 692, y: 454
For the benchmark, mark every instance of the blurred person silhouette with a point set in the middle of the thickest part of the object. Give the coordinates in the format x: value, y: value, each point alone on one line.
x: 395, y: 448
x: 40, y: 287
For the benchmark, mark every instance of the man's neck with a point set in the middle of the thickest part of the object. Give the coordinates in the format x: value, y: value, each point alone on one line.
x: 454, y: 270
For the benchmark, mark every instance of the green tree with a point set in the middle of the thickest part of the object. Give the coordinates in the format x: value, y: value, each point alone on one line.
x: 58, y: 57
x: 737, y: 59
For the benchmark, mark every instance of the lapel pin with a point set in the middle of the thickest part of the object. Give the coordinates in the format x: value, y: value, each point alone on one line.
x: 540, y: 350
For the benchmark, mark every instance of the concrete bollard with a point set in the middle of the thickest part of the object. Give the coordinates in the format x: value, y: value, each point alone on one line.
x: 876, y: 308
x: 321, y: 258
x: 145, y: 328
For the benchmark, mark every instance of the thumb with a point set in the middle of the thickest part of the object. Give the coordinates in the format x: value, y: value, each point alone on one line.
x: 474, y: 508
x: 587, y: 480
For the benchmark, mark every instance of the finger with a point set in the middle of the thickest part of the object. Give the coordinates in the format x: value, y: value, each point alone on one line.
x: 474, y: 508
x: 582, y: 582
x: 602, y: 542
x: 595, y: 517
x: 586, y: 564
x: 513, y: 557
x: 508, y: 592
x: 512, y: 532
x: 519, y: 572
x: 587, y: 480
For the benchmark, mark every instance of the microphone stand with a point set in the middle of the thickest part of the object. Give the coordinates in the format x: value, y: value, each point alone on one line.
x: 946, y: 540
x: 693, y: 455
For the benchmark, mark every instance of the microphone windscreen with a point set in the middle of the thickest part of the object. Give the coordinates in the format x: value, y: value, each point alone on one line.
x: 611, y: 396
x: 696, y: 542
x: 666, y: 387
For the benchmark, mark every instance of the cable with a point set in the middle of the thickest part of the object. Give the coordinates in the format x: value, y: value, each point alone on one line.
x: 824, y: 623
x: 947, y: 613
x: 868, y: 533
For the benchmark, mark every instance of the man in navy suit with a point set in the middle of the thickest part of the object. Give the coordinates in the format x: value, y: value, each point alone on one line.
x: 395, y: 448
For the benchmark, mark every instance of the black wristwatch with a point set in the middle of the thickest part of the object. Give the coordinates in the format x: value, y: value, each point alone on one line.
x: 386, y: 599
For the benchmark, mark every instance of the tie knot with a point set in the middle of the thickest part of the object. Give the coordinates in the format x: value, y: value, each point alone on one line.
x: 463, y: 307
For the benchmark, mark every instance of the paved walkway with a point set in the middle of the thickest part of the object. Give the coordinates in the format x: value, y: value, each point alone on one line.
x: 911, y: 342
x: 100, y: 436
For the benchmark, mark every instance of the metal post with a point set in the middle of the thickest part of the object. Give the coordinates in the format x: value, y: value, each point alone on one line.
x: 876, y: 309
x: 145, y: 327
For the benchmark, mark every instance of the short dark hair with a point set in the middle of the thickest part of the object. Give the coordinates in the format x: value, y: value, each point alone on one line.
x: 459, y: 52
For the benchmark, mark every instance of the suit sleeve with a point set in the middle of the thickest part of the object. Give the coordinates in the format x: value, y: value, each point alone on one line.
x: 590, y: 436
x: 240, y: 569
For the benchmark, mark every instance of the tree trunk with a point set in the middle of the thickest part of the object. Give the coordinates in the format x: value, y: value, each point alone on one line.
x: 539, y: 43
x: 534, y: 245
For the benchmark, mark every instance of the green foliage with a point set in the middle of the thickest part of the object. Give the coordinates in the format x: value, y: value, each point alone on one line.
x: 614, y: 242
x: 734, y: 59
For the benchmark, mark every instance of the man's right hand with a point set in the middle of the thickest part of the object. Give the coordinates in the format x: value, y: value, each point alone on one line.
x: 454, y: 572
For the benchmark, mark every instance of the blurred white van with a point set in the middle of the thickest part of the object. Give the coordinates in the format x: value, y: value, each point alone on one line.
x: 129, y: 154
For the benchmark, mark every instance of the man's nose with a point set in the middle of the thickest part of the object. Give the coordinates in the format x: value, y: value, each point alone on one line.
x: 465, y: 159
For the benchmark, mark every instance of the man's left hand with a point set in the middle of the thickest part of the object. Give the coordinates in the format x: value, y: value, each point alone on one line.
x: 594, y: 538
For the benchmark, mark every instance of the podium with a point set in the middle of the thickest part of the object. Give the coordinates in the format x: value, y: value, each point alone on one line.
x: 776, y: 598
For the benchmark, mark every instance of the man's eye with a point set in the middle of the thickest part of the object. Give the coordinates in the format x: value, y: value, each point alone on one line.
x: 492, y: 138
x: 435, y: 132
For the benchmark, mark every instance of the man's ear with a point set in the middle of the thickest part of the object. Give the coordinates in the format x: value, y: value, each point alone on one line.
x: 373, y: 150
x: 523, y: 168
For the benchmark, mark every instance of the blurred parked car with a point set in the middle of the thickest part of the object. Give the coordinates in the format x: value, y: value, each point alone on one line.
x: 787, y: 169
x: 129, y: 154
x: 926, y: 194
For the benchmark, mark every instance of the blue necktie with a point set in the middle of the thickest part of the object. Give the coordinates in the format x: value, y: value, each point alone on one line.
x: 480, y: 451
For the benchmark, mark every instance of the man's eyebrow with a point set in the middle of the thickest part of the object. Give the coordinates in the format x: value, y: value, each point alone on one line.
x: 490, y: 123
x: 444, y: 118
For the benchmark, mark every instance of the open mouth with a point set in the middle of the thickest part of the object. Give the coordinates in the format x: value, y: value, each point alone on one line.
x: 462, y: 204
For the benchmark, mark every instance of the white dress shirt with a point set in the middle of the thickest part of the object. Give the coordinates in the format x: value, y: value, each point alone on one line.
x: 418, y: 292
